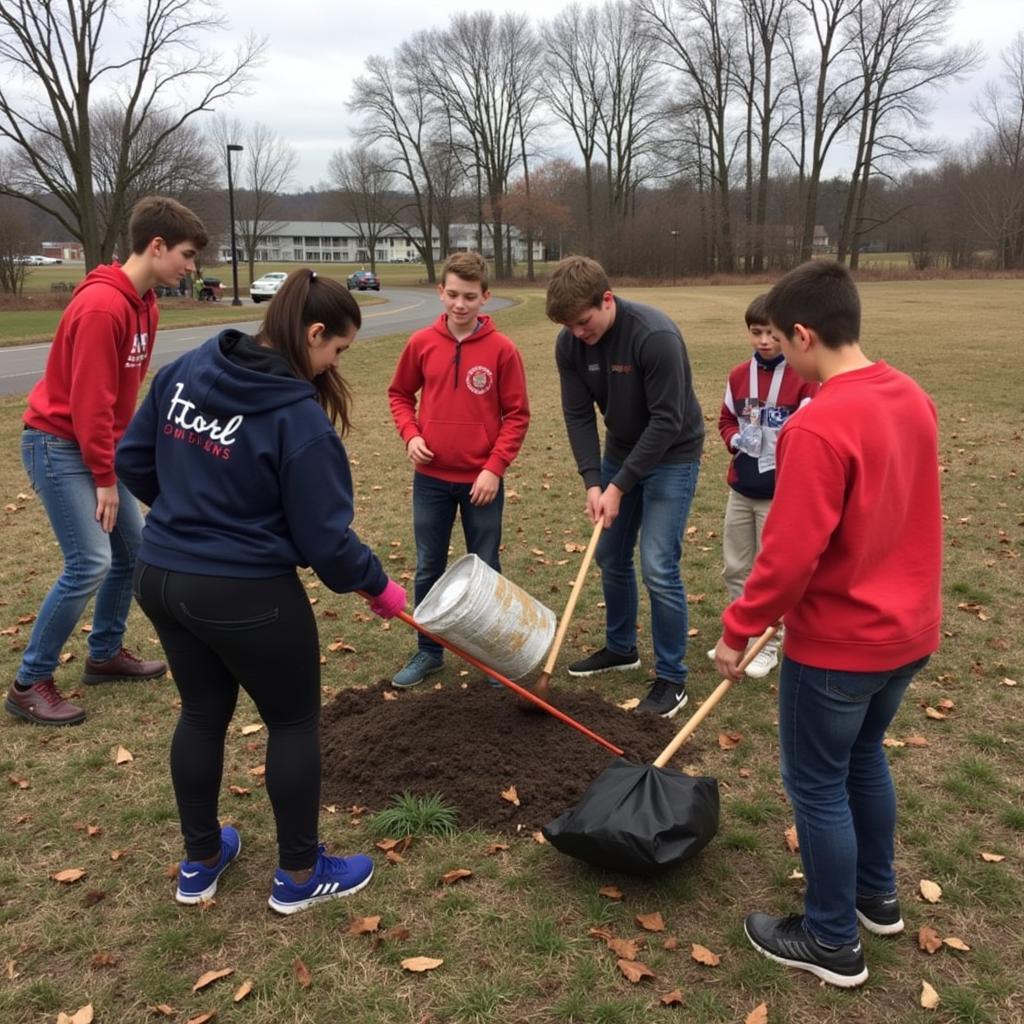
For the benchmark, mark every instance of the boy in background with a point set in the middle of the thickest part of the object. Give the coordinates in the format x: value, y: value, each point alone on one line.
x: 463, y: 434
x: 760, y: 395
x: 852, y: 556
x: 76, y: 415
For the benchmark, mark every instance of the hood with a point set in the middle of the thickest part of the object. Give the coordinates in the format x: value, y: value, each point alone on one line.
x: 112, y: 275
x: 219, y: 386
x: 484, y: 327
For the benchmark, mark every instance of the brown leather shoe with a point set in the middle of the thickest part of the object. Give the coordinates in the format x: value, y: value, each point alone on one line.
x: 123, y: 667
x: 42, y: 704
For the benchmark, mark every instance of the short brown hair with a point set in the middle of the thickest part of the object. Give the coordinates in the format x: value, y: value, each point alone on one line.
x: 757, y: 312
x: 821, y: 295
x: 162, y: 217
x: 470, y: 266
x: 577, y: 284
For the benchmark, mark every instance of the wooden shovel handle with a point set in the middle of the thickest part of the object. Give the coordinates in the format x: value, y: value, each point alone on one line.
x: 570, y: 605
x: 706, y: 708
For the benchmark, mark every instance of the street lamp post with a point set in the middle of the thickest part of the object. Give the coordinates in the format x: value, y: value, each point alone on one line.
x: 675, y: 250
x: 236, y: 301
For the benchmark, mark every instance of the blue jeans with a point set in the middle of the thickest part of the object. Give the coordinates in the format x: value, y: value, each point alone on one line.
x: 434, y: 504
x: 836, y: 774
x: 656, y: 510
x: 94, y: 562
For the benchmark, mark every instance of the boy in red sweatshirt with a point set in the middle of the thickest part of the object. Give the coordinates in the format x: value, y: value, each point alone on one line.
x: 468, y: 427
x: 851, y: 555
x: 76, y: 415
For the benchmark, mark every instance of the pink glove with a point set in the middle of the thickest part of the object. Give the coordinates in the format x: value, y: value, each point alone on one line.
x: 390, y: 601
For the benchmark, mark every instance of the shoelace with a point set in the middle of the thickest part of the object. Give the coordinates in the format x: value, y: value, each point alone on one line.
x: 49, y: 692
x: 659, y: 688
x: 125, y: 653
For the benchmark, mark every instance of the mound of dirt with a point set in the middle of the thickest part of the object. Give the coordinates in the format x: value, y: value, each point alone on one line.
x: 469, y: 743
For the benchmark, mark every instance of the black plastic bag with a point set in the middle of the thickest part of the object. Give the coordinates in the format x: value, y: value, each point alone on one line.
x: 638, y: 819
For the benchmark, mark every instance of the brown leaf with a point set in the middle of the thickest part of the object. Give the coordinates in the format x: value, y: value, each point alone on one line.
x: 83, y: 1015
x: 239, y: 791
x: 625, y: 949
x: 302, y: 974
x: 418, y: 964
x: 612, y: 892
x: 20, y: 783
x: 930, y: 712
x: 651, y: 922
x: 94, y: 830
x: 92, y: 897
x: 394, y: 857
x: 604, y: 934
x: 758, y: 1015
x: 390, y: 695
x: 242, y: 991
x: 929, y: 997
x: 538, y: 837
x: 66, y: 657
x: 363, y: 925
x: 916, y: 741
x: 340, y: 645
x: 992, y: 858
x: 703, y: 955
x: 105, y: 960
x: 510, y: 795
x: 673, y: 998
x: 210, y: 977
x: 670, y: 943
x: 628, y: 704
x: 930, y: 891
x: 956, y: 943
x: 258, y: 772
x: 203, y: 1018
x: 945, y: 704
x: 1006, y: 681
x: 171, y: 871
x: 248, y: 730
x: 890, y: 742
x: 928, y: 940
x: 123, y: 756
x: 116, y: 854
x: 729, y: 740
x: 455, y: 875
x: 634, y: 970
x: 398, y: 933
x: 495, y: 848
x: 68, y: 875
x: 163, y: 1010
x: 792, y: 839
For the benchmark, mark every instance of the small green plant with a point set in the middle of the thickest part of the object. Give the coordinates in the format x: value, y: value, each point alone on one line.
x: 411, y: 815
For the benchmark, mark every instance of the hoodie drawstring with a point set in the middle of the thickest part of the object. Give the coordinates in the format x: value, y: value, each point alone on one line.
x: 455, y: 363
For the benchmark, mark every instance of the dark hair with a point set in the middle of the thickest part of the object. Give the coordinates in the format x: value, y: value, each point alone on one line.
x: 305, y: 298
x: 757, y: 311
x: 470, y: 266
x: 577, y: 284
x: 161, y: 217
x: 821, y: 295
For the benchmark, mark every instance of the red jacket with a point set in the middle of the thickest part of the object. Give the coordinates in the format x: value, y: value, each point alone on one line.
x: 851, y: 552
x: 97, y: 361
x: 473, y: 411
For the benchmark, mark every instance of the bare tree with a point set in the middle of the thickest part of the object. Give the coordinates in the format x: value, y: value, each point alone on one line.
x: 15, y: 242
x: 56, y: 51
x: 366, y: 192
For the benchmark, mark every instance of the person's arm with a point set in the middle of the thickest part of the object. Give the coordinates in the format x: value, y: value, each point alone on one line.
x: 136, y: 452
x: 406, y: 382
x: 580, y: 419
x: 728, y: 421
x: 515, y: 412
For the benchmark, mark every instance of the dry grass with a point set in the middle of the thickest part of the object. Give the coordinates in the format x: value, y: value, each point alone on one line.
x: 514, y: 937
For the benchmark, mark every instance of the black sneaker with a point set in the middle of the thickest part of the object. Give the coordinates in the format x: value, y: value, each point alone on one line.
x: 786, y: 941
x: 664, y: 698
x: 605, y: 661
x: 880, y: 914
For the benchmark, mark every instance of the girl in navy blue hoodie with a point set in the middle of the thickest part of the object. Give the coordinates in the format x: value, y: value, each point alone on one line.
x: 235, y: 450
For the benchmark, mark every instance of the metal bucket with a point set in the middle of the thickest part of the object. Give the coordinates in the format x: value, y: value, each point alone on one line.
x: 477, y: 609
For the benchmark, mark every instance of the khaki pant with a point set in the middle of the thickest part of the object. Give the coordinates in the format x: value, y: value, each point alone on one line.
x: 741, y: 541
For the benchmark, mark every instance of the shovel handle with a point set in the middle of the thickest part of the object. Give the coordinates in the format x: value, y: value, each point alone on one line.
x: 570, y: 605
x: 709, y: 703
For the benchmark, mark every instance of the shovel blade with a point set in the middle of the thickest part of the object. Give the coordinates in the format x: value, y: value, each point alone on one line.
x: 638, y: 819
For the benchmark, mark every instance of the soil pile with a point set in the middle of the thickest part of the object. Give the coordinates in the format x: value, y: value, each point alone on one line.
x: 469, y: 743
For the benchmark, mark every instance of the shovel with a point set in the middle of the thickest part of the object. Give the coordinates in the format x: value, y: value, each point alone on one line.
x: 645, y: 819
x: 542, y: 686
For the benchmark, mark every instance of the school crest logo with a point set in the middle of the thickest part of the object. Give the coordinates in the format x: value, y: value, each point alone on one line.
x: 479, y: 380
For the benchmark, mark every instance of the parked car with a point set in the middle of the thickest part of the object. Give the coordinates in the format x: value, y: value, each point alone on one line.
x: 264, y: 288
x: 212, y: 289
x: 38, y: 261
x: 362, y: 280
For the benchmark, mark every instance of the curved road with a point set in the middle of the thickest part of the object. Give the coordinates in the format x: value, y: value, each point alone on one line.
x: 403, y: 311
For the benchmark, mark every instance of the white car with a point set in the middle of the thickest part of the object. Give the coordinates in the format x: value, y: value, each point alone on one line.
x: 38, y: 261
x: 263, y: 289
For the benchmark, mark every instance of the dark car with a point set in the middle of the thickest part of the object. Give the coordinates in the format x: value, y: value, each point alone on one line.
x: 362, y: 280
x: 212, y: 289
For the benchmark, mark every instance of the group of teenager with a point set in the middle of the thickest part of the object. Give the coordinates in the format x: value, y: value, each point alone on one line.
x: 832, y: 526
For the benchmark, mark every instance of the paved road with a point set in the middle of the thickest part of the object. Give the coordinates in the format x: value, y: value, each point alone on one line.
x: 404, y: 310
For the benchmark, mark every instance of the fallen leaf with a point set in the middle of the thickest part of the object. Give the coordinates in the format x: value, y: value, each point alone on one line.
x: 538, y: 837
x: 945, y: 704
x: 123, y: 756
x: 258, y: 772
x: 340, y: 645
x: 398, y: 933
x: 628, y: 705
x: 455, y: 875
x: 94, y: 896
x: 930, y: 712
x: 625, y: 949
x: 116, y: 854
x: 673, y: 998
x: 94, y: 830
x: 703, y: 955
x: 992, y: 858
x: 210, y: 977
x: 796, y: 875
x: 239, y: 791
x: 916, y: 741
x: 1005, y: 681
x: 496, y: 848
x: 171, y: 871
x: 928, y: 940
x: 163, y: 1009
x: 792, y: 839
x: 929, y: 997
x: 600, y: 933
x: 634, y: 970
x: 363, y: 925
x: 19, y: 783
x: 248, y: 730
x: 11, y: 970
x: 651, y: 922
x: 203, y: 1018
x: 670, y: 943
x: 956, y: 943
x: 242, y: 991
x: 105, y: 960
x: 744, y: 773
x: 418, y: 964
x: 890, y: 742
x: 729, y: 740
x: 394, y: 857
x: 390, y: 695
x: 930, y: 891
x: 611, y: 892
x: 83, y: 1015
x: 302, y: 974
x: 68, y: 875
x: 510, y: 795
x: 758, y: 1015
x: 66, y: 657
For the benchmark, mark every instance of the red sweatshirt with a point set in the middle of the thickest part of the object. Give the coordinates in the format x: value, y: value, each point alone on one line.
x: 97, y: 361
x: 851, y: 552
x: 473, y: 411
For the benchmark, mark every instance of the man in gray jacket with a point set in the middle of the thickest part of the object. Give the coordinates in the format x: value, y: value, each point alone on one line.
x: 629, y: 360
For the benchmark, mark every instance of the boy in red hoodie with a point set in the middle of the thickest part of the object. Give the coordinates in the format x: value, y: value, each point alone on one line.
x: 851, y: 555
x: 76, y: 415
x: 470, y: 423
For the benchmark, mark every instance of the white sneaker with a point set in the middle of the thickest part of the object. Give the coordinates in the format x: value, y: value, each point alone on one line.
x: 767, y: 658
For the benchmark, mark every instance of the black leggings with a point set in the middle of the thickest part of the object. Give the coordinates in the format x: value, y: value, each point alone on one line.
x: 219, y: 633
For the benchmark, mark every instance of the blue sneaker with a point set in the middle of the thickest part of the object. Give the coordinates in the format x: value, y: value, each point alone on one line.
x: 419, y: 666
x: 332, y: 877
x: 196, y: 882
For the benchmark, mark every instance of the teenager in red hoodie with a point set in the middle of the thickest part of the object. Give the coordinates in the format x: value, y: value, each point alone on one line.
x: 851, y: 555
x: 76, y: 415
x: 467, y: 428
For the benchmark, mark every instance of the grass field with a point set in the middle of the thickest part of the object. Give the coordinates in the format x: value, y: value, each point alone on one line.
x: 514, y: 937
